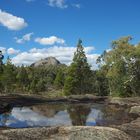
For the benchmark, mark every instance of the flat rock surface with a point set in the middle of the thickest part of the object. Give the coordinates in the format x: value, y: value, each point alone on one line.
x: 131, y: 101
x: 65, y: 133
x: 135, y: 110
x: 132, y: 128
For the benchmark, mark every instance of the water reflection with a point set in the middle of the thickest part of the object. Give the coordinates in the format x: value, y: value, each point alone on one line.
x: 3, y: 118
x: 63, y: 114
x: 49, y: 110
x: 78, y: 114
x: 95, y: 117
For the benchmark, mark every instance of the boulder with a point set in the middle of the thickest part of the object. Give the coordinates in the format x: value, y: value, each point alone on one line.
x: 65, y: 133
x: 132, y: 128
x: 135, y: 110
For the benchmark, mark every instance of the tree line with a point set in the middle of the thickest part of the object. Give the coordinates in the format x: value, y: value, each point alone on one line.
x: 118, y: 74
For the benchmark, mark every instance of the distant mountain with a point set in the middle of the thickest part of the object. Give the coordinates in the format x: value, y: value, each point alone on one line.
x: 47, y: 62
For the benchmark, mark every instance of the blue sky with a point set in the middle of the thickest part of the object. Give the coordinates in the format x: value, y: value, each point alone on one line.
x: 35, y: 29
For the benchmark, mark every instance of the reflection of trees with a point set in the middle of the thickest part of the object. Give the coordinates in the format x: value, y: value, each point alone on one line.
x: 115, y: 115
x: 4, y: 118
x: 48, y: 110
x: 78, y: 114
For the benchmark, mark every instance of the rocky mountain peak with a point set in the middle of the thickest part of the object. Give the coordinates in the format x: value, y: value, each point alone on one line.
x: 46, y: 62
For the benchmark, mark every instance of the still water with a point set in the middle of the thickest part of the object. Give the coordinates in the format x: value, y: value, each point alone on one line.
x: 64, y: 115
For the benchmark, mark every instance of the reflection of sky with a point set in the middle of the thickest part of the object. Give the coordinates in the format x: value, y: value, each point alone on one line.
x: 94, y: 116
x: 25, y: 117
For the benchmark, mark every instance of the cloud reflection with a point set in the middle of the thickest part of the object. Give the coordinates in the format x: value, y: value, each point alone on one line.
x: 25, y: 117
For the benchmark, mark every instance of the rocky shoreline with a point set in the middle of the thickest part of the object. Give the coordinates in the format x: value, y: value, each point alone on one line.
x: 65, y: 133
x: 128, y: 131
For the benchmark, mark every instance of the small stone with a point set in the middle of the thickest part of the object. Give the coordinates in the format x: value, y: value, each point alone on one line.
x: 135, y: 110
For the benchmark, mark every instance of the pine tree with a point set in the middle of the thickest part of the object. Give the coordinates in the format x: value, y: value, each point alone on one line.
x: 1, y: 63
x: 9, y: 76
x: 1, y: 70
x: 59, y: 80
x: 22, y: 78
x: 78, y: 80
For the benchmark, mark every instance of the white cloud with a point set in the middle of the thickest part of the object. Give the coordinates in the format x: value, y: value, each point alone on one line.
x: 25, y: 38
x: 58, y: 3
x: 77, y: 5
x: 9, y: 51
x: 12, y: 51
x: 63, y: 54
x: 108, y: 50
x: 50, y: 40
x: 3, y: 49
x: 11, y: 22
x: 30, y: 0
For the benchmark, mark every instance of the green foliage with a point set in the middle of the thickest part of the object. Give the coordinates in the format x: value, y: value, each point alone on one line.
x: 134, y: 72
x: 71, y: 82
x: 1, y: 58
x: 78, y: 80
x: 1, y: 70
x: 122, y: 63
x: 118, y: 74
x: 100, y: 82
x: 22, y: 78
x: 59, y: 80
x: 8, y: 77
